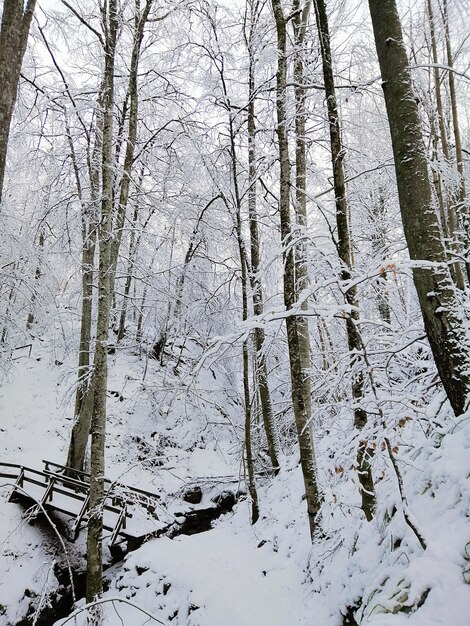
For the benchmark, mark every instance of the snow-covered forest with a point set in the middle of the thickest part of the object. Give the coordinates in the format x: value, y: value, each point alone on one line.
x: 234, y: 313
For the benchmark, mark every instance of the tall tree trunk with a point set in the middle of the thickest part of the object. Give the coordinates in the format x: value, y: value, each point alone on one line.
x: 248, y: 440
x: 246, y: 373
x: 449, y: 221
x: 260, y: 361
x: 462, y: 207
x: 443, y: 317
x: 37, y: 276
x: 133, y: 244
x: 16, y: 20
x: 344, y: 252
x: 379, y: 245
x: 139, y: 27
x: 94, y: 582
x: 300, y: 22
x: 244, y: 273
x: 261, y: 367
x: 84, y: 398
x: 84, y: 394
x: 300, y: 405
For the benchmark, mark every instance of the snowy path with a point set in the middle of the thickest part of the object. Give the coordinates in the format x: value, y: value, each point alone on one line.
x: 224, y: 574
x: 33, y: 424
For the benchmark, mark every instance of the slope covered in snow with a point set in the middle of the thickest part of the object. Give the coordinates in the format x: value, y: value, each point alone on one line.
x: 165, y: 435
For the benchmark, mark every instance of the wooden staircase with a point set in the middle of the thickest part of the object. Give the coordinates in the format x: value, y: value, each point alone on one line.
x: 129, y: 513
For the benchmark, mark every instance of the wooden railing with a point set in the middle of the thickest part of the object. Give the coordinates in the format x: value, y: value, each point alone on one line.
x: 59, y: 482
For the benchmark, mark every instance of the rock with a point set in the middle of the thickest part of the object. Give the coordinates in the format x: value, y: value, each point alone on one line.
x: 225, y: 501
x: 193, y: 495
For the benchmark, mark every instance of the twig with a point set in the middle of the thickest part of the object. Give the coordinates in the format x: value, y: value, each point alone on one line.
x: 83, y: 21
x: 405, y: 510
x: 406, y: 515
x: 115, y: 599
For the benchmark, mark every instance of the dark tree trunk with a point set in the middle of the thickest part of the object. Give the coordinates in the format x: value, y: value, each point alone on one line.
x: 449, y: 218
x: 345, y: 255
x: 16, y: 20
x: 94, y: 579
x: 299, y: 403
x: 90, y: 212
x: 261, y: 366
x: 443, y: 316
x: 300, y: 22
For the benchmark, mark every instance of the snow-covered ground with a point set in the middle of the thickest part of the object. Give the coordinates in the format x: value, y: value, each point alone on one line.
x: 164, y: 438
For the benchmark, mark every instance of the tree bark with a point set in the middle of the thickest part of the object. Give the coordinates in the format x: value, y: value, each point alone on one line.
x: 246, y: 376
x: 16, y: 21
x: 443, y: 317
x: 261, y: 367
x: 462, y: 208
x: 84, y: 394
x: 244, y: 275
x: 345, y: 255
x: 84, y: 398
x: 300, y: 405
x: 300, y: 23
x: 94, y: 582
x: 37, y: 276
x: 449, y: 220
x: 139, y: 26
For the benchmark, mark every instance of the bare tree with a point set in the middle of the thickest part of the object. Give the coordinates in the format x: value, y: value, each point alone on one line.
x: 300, y: 18
x: 443, y: 317
x: 449, y: 212
x: 16, y: 20
x: 94, y: 582
x: 299, y: 402
x: 462, y: 207
x: 89, y: 215
x: 84, y: 397
x: 255, y: 7
x: 345, y: 254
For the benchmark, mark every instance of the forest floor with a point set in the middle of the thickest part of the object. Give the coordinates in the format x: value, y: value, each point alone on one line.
x: 234, y: 573
x: 164, y: 439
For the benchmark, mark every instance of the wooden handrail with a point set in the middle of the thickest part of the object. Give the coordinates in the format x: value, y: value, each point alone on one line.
x: 113, y: 483
x: 59, y: 483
